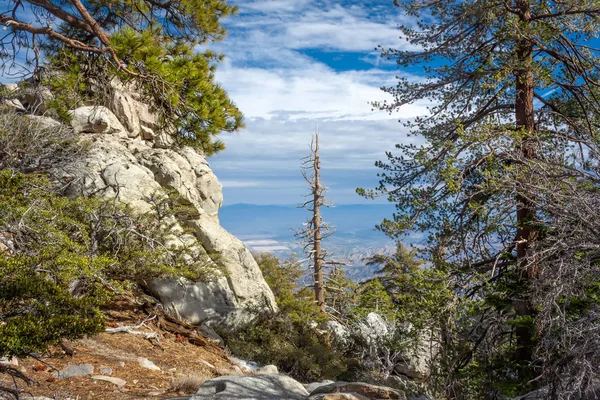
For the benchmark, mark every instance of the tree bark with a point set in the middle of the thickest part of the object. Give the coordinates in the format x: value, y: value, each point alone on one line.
x: 527, y: 234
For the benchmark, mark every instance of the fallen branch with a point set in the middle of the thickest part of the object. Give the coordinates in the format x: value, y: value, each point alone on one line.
x: 14, y: 374
x: 133, y: 329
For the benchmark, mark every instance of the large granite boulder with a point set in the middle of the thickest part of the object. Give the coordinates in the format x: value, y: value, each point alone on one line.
x: 251, y: 387
x: 118, y: 164
x: 188, y: 173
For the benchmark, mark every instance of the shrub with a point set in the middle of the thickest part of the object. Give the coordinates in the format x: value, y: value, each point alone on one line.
x: 62, y: 258
x: 29, y: 143
x: 290, y: 339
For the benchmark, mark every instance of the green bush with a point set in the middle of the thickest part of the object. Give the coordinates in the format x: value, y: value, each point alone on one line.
x: 290, y: 339
x: 61, y: 258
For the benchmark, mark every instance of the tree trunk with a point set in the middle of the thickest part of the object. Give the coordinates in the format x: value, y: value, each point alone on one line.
x: 317, y: 251
x: 527, y: 234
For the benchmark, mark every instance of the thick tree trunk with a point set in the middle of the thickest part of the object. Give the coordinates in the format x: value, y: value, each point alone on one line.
x: 317, y: 251
x: 527, y: 234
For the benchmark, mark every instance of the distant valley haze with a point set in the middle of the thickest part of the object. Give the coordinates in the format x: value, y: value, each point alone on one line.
x: 270, y: 229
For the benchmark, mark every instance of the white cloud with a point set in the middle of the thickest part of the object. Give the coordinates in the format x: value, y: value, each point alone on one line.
x: 313, y: 90
x: 285, y: 92
x: 332, y: 25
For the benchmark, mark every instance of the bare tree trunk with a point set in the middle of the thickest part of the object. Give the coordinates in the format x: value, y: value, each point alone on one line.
x: 316, y: 230
x: 527, y: 234
x: 317, y: 200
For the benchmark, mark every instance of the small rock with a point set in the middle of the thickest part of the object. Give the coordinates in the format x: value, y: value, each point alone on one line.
x: 14, y: 361
x: 14, y: 103
x: 43, y: 122
x: 75, y: 370
x: 144, y: 362
x: 156, y: 393
x: 267, y: 369
x: 121, y: 364
x: 35, y: 99
x: 135, y: 381
x: 104, y: 370
x: 116, y: 381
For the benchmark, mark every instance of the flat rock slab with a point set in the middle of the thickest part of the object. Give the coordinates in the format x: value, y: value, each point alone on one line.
x: 115, y: 381
x: 338, y: 396
x: 76, y: 370
x: 252, y: 387
x: 311, y: 387
x: 364, y: 389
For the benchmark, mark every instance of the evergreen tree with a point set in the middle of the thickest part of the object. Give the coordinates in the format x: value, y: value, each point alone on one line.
x: 509, y: 145
x: 150, y: 45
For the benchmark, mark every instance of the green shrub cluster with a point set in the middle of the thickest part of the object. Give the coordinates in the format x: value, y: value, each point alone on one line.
x: 413, y: 300
x: 290, y: 339
x: 61, y: 258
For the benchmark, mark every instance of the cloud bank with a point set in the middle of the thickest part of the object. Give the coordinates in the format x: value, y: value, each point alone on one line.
x: 293, y: 66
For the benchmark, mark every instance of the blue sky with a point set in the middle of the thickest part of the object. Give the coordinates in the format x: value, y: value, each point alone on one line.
x: 294, y: 65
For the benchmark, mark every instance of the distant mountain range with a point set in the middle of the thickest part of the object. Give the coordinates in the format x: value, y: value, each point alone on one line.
x: 270, y: 228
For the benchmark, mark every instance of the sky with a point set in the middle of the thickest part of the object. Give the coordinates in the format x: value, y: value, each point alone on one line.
x: 293, y: 66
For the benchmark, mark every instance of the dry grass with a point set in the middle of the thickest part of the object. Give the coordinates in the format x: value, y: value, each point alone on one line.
x: 187, y: 384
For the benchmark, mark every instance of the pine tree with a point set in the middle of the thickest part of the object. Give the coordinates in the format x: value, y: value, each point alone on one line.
x: 510, y: 144
x: 150, y: 45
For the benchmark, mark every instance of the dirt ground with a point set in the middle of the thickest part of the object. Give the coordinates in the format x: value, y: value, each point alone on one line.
x: 183, y: 366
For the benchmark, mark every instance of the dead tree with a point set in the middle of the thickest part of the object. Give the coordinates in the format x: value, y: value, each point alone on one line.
x: 315, y: 230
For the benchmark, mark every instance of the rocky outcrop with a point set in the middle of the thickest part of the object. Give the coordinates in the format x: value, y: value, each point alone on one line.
x: 414, y: 363
x: 273, y: 386
x: 129, y: 157
x: 252, y: 387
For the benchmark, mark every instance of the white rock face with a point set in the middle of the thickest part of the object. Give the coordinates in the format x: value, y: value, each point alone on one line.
x: 96, y: 119
x: 188, y: 173
x: 135, y: 115
x: 119, y: 164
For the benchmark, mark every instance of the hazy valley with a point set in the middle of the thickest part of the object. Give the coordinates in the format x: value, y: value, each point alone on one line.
x: 270, y: 229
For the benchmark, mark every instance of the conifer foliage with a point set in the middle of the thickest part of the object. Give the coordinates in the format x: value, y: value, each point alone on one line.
x: 154, y: 45
x: 505, y: 169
